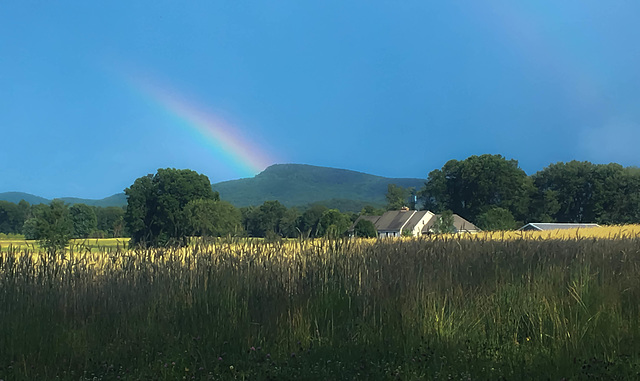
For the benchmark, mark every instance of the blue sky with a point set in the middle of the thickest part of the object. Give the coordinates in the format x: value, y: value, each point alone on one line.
x: 93, y: 95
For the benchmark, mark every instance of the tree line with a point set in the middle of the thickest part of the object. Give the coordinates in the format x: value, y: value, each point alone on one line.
x: 78, y: 220
x: 489, y: 190
x: 172, y: 205
x: 496, y: 194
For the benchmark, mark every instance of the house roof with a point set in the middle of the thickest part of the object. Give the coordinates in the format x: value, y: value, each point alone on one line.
x: 394, y: 220
x: 373, y: 220
x: 417, y: 216
x: 556, y: 225
x: 459, y: 223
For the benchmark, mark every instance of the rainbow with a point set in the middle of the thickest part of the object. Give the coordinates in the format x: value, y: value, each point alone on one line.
x: 245, y: 157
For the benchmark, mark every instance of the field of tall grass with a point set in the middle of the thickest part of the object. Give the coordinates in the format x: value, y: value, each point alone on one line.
x: 444, y: 307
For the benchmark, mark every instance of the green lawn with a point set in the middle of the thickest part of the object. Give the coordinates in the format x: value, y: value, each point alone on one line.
x: 94, y: 244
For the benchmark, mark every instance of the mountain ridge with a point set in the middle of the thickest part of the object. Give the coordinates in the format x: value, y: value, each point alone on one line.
x: 292, y: 184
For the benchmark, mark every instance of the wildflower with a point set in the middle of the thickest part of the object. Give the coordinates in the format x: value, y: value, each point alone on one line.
x: 253, y: 348
x: 230, y: 367
x: 219, y: 358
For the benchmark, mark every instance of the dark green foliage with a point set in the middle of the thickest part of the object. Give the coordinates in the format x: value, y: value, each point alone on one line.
x: 54, y: 227
x: 213, y: 218
x: 265, y: 218
x: 110, y: 220
x: 84, y: 220
x: 365, y: 229
x: 308, y: 222
x: 333, y: 224
x: 155, y: 213
x: 289, y: 223
x: 444, y: 223
x: 30, y: 229
x: 496, y: 219
x: 12, y: 217
x: 471, y: 186
x: 370, y: 210
x: 585, y: 192
x: 397, y: 197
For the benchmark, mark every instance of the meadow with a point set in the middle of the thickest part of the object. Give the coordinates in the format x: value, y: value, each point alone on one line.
x: 492, y: 306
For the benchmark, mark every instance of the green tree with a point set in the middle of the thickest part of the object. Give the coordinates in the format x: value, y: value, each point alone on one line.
x: 30, y: 229
x: 213, y: 218
x: 444, y: 223
x: 369, y: 210
x: 365, y: 229
x: 110, y: 220
x: 496, y: 218
x: 396, y: 196
x: 308, y: 221
x: 84, y: 220
x: 471, y: 186
x: 289, y: 223
x: 263, y: 219
x: 333, y: 224
x: 155, y: 213
x: 11, y: 218
x: 54, y: 227
x: 585, y: 192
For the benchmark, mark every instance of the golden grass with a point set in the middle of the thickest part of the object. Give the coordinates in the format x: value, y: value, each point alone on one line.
x: 602, y: 232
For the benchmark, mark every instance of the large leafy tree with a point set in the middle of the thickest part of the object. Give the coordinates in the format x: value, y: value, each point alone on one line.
x: 579, y: 191
x: 496, y: 218
x: 110, y: 220
x: 213, y: 218
x: 84, y: 220
x: 53, y: 226
x: 308, y: 221
x: 264, y: 219
x: 11, y: 217
x: 474, y: 185
x: 333, y: 223
x: 289, y: 223
x: 365, y: 229
x: 155, y: 214
x: 397, y: 197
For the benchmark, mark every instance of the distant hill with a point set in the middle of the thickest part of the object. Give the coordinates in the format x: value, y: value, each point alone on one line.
x: 15, y: 197
x: 119, y: 199
x: 301, y: 185
x: 298, y: 185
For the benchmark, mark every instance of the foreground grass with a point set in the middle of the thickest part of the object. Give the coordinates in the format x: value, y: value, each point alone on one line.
x: 413, y: 309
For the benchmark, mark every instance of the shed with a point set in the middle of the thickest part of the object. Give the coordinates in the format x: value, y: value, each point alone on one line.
x: 540, y: 226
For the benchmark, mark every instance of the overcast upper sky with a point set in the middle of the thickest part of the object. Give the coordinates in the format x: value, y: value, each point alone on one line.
x: 96, y: 94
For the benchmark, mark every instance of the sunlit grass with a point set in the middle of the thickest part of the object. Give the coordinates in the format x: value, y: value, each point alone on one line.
x: 439, y: 307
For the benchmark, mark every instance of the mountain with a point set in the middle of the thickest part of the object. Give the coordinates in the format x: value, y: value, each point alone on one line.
x: 116, y: 200
x: 15, y: 197
x: 291, y: 184
x: 301, y: 185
